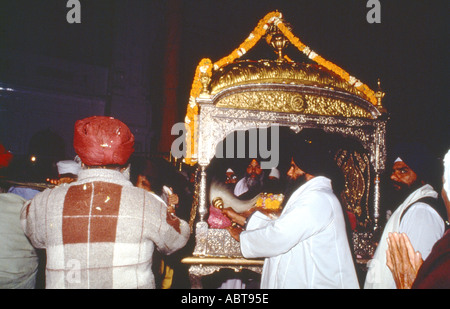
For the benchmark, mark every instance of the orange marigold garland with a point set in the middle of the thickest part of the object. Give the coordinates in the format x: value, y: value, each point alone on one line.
x: 251, y: 40
x: 204, y: 67
x: 370, y: 94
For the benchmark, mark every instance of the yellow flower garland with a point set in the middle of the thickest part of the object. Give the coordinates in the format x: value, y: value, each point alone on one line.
x: 205, y: 67
x: 370, y: 94
x: 269, y: 201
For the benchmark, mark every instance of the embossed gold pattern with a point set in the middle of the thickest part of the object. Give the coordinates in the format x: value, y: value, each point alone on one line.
x: 267, y: 71
x: 291, y: 102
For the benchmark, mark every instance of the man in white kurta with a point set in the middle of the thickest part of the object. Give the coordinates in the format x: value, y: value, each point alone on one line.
x: 421, y: 223
x: 307, y: 246
x: 415, y: 216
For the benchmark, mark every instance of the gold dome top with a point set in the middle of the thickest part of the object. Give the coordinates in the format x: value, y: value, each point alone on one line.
x: 247, y: 72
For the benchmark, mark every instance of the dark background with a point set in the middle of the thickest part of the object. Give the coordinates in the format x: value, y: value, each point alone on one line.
x: 408, y: 50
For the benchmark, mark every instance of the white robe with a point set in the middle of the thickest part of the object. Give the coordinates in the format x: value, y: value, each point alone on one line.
x: 421, y: 223
x: 307, y: 246
x: 241, y: 187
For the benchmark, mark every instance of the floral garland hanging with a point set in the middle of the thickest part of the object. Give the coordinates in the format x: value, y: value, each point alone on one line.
x: 369, y: 93
x: 206, y: 66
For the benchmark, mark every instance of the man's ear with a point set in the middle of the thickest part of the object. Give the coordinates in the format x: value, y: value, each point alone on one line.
x: 141, y: 180
x: 309, y: 176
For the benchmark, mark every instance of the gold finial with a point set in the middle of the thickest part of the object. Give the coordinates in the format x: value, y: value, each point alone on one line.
x: 380, y: 95
x: 277, y: 40
x: 204, y: 79
x: 218, y: 202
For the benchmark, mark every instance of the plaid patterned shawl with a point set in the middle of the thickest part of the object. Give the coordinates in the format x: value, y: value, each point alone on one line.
x: 100, y: 232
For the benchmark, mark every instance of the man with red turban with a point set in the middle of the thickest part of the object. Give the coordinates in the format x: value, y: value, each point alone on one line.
x: 101, y: 140
x: 100, y: 231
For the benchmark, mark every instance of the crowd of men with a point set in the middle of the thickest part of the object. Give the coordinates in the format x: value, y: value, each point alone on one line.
x: 101, y: 223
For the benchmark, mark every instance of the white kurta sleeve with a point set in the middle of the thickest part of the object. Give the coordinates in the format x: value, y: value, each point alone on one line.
x: 424, y: 227
x: 300, y: 220
x: 257, y: 220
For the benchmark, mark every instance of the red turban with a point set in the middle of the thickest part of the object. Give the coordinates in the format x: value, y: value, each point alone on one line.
x: 5, y: 157
x: 101, y: 140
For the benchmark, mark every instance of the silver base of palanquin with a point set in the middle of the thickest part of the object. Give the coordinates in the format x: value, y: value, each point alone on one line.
x: 215, y: 250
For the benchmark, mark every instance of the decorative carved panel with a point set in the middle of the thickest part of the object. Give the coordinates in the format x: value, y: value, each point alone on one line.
x: 291, y: 102
x: 355, y: 167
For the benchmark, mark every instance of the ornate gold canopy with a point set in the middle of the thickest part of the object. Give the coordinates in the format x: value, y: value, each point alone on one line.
x: 281, y: 85
x: 289, y: 87
x: 233, y: 94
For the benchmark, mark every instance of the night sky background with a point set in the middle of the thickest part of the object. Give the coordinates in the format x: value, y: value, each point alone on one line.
x: 408, y: 50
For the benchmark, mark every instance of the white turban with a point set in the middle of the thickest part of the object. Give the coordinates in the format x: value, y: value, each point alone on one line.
x: 68, y: 166
x: 274, y: 173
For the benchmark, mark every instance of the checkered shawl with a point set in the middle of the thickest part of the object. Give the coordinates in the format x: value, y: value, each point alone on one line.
x: 100, y: 232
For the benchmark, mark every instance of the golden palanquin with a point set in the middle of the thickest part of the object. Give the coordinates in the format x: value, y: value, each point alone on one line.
x: 233, y: 94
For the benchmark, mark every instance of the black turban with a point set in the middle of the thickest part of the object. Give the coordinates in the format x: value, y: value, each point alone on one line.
x: 312, y: 156
x: 418, y: 158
